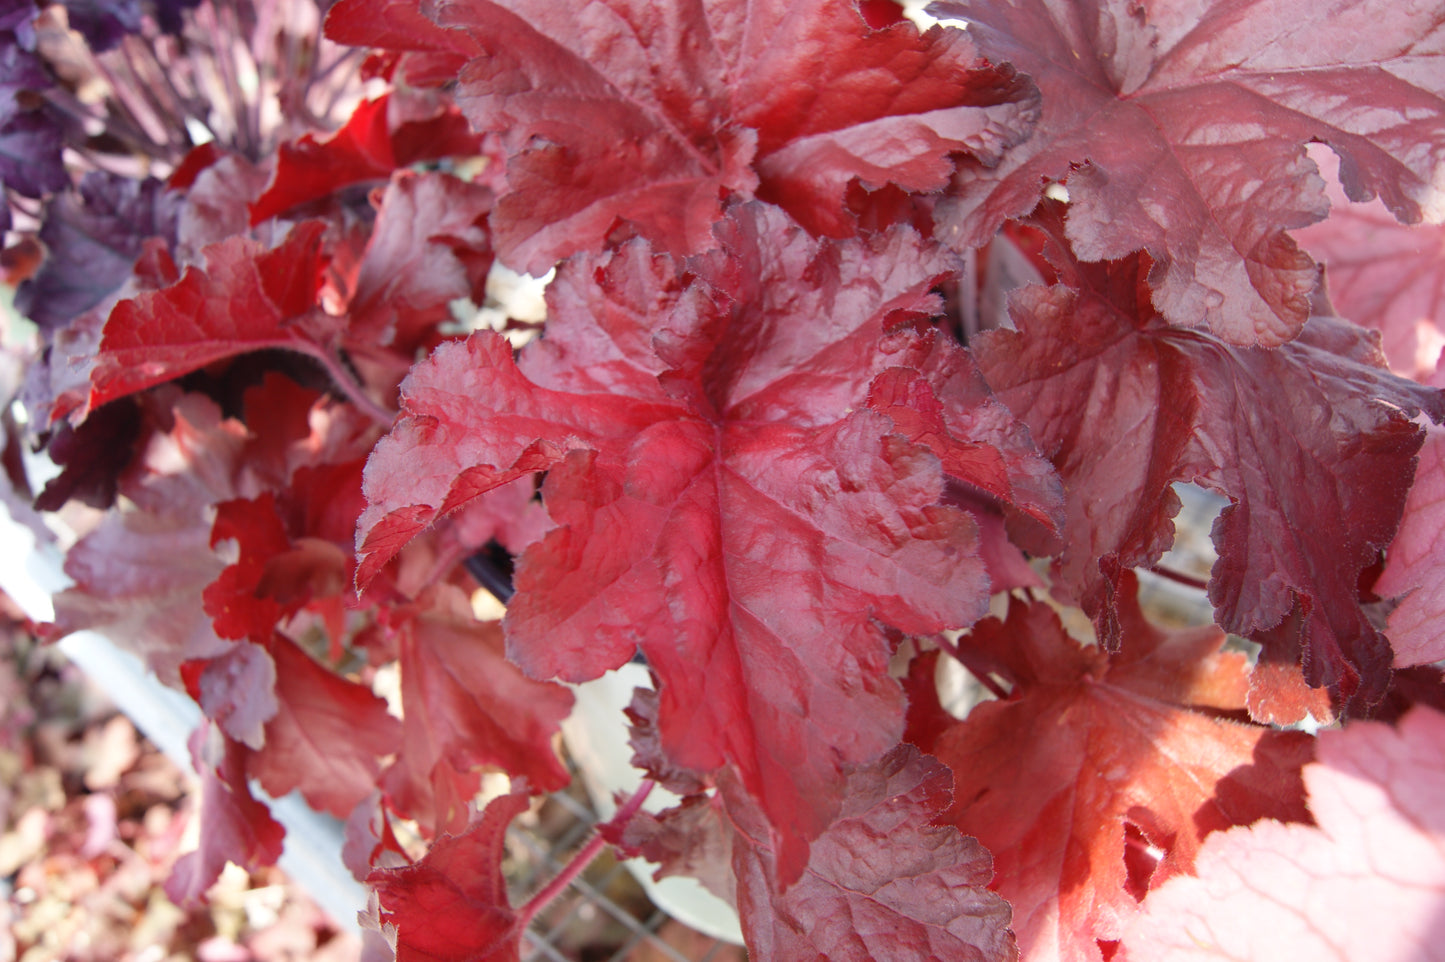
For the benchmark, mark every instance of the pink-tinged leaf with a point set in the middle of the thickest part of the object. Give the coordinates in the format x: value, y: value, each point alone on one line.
x: 724, y: 498
x: 245, y: 299
x: 327, y: 736
x: 218, y: 205
x: 234, y: 826
x: 466, y: 708
x: 375, y: 141
x: 1384, y: 276
x: 1311, y: 441
x: 452, y: 906
x: 1090, y: 747
x: 236, y: 690
x: 1180, y: 129
x: 886, y: 881
x: 429, y: 247
x: 139, y: 574
x: 1296, y: 893
x: 624, y: 113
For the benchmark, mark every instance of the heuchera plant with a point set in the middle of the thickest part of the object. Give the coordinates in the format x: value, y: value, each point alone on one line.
x: 869, y: 348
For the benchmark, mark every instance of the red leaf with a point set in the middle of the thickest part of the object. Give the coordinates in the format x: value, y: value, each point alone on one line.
x: 1295, y: 892
x: 716, y: 501
x: 884, y: 882
x: 292, y: 553
x: 245, y: 299
x: 452, y: 906
x: 376, y: 140
x: 464, y: 707
x: 234, y: 826
x: 1311, y: 441
x: 327, y: 736
x: 620, y: 114
x: 1189, y: 123
x: 231, y: 600
x: 1088, y: 745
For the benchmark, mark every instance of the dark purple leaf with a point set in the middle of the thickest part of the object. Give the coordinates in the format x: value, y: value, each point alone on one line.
x: 92, y: 238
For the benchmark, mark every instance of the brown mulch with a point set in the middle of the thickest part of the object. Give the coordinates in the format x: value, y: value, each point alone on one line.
x: 92, y: 817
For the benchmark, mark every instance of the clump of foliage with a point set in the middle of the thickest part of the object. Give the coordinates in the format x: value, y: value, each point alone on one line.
x: 857, y: 330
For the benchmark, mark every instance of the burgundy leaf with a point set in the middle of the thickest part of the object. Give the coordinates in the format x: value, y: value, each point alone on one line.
x: 452, y: 906
x: 1296, y: 892
x: 92, y: 455
x: 1415, y: 568
x: 885, y: 882
x: 1089, y: 744
x: 1312, y: 442
x: 694, y: 838
x: 1180, y: 130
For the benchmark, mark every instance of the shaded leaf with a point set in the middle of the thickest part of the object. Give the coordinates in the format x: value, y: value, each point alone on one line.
x: 234, y: 826
x: 465, y: 707
x: 1180, y: 130
x: 1312, y: 442
x: 92, y: 238
x: 328, y: 735
x: 886, y: 881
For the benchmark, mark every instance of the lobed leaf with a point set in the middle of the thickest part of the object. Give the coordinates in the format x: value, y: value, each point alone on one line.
x: 629, y: 112
x: 1091, y: 748
x: 1311, y: 441
x: 724, y: 498
x: 1180, y: 130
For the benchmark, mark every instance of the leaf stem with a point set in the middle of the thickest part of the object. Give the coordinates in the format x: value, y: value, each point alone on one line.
x: 342, y: 378
x: 579, y: 862
x: 984, y: 679
x: 1179, y: 577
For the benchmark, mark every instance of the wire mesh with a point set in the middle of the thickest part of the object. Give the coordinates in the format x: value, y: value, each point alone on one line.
x: 604, y: 916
